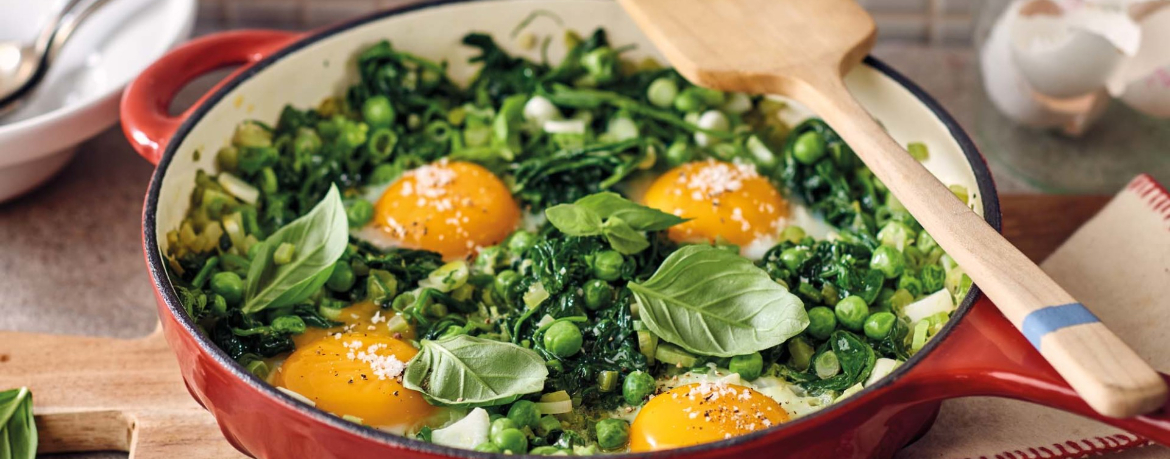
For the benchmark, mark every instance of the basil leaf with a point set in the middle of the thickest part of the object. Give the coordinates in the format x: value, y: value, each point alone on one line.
x: 18, y: 431
x: 857, y: 360
x: 320, y: 237
x: 469, y: 371
x: 622, y: 237
x: 574, y: 220
x: 618, y: 219
x: 713, y: 302
x: 641, y: 218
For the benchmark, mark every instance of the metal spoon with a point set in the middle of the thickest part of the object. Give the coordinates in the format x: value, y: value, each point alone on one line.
x: 22, y: 66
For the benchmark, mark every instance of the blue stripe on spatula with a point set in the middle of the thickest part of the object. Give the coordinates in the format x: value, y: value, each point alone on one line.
x: 1041, y: 322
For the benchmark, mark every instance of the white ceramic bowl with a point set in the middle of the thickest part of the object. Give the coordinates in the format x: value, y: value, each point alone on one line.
x: 79, y: 96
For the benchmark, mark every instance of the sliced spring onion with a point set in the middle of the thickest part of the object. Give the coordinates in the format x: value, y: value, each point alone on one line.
x: 242, y: 190
x: 674, y: 355
x: 298, y: 397
x: 558, y: 396
x: 535, y: 295
x: 881, y: 368
x: 233, y: 225
x: 564, y: 126
x: 932, y: 304
x: 397, y: 323
x: 647, y: 345
x: 467, y: 433
x: 622, y: 128
x: 559, y: 407
x: 448, y: 277
x: 539, y: 110
x: 737, y: 102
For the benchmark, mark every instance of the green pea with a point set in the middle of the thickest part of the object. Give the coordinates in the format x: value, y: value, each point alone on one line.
x: 520, y: 242
x: 563, y: 339
x: 504, y: 282
x: 809, y: 148
x: 342, y: 278
x: 607, y: 265
x: 662, y: 92
x: 851, y: 312
x: 289, y: 325
x: 898, y: 300
x: 378, y: 112
x: 889, y: 261
x: 637, y: 386
x: 792, y: 233
x: 612, y: 433
x: 548, y: 424
x: 500, y: 424
x: 678, y: 153
x: 385, y: 173
x: 545, y: 450
x: 821, y: 322
x: 910, y: 283
x: 524, y: 414
x: 359, y: 213
x: 748, y: 366
x: 511, y: 441
x: 933, y: 278
x: 794, y: 257
x: 228, y: 285
x: 228, y: 158
x: 488, y: 447
x: 306, y: 142
x: 598, y: 294
x: 688, y: 101
x: 878, y: 326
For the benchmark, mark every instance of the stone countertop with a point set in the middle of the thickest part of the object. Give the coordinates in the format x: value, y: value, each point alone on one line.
x: 71, y: 256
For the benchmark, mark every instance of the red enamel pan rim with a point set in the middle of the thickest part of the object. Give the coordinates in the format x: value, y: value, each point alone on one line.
x: 155, y: 262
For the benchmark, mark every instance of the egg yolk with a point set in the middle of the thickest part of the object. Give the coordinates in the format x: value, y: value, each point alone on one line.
x: 722, y: 200
x: 702, y: 413
x: 449, y: 207
x: 356, y: 374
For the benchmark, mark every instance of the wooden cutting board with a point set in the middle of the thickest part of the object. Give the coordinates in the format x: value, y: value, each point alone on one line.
x: 103, y: 394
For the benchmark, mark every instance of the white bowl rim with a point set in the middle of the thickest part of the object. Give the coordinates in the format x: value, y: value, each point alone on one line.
x: 15, y: 132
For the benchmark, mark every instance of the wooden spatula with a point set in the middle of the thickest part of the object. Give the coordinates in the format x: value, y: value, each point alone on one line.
x: 801, y: 49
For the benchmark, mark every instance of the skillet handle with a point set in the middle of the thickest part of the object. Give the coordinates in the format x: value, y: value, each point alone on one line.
x: 146, y: 121
x: 986, y: 356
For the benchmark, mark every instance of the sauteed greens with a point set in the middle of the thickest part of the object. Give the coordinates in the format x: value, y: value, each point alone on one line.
x: 569, y: 258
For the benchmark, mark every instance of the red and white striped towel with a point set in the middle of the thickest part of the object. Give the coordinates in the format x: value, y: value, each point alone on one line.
x: 1118, y: 265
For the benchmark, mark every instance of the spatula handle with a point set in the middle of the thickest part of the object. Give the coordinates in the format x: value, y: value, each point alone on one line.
x: 1109, y: 375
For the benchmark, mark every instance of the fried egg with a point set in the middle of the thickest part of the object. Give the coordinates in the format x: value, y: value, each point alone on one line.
x: 450, y: 207
x: 666, y: 420
x: 357, y: 375
x: 701, y: 413
x: 724, y: 201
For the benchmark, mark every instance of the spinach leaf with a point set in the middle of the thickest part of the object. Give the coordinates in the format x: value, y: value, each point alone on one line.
x: 469, y: 371
x: 18, y: 432
x: 857, y: 359
x: 713, y: 302
x: 320, y: 237
x: 607, y: 214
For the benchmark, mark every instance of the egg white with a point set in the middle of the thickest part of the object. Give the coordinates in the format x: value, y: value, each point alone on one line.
x: 790, y: 397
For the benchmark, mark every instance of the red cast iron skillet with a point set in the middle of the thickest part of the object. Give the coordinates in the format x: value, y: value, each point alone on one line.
x: 978, y: 353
